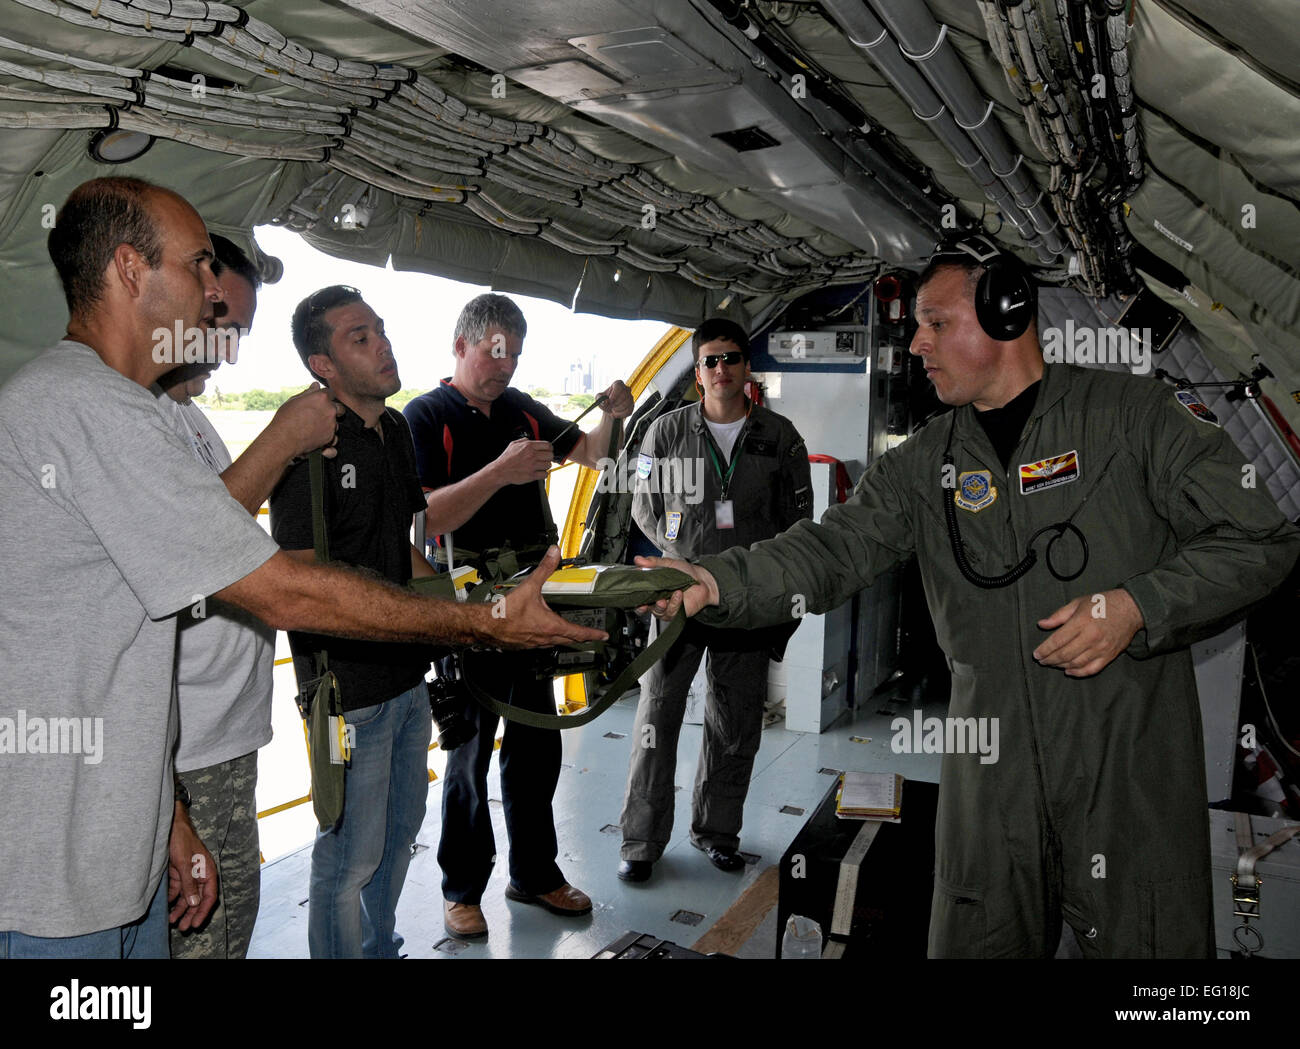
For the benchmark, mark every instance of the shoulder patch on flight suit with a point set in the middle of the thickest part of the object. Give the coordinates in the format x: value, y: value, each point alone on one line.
x: 1196, y: 406
x: 759, y: 446
x: 674, y: 524
x: 1048, y: 473
x: 644, y: 464
x: 975, y: 490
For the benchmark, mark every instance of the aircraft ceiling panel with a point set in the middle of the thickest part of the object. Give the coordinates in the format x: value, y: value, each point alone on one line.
x: 1217, y: 97
x: 1215, y: 91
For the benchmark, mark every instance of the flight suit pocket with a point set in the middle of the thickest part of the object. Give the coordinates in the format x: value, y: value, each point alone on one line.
x: 958, y: 925
x: 1085, y: 932
x: 1176, y: 920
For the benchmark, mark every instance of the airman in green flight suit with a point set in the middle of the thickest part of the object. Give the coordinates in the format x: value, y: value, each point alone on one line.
x: 1095, y: 811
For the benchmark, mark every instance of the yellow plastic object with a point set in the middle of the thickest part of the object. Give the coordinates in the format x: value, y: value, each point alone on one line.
x: 571, y: 581
x: 585, y: 487
x: 575, y: 689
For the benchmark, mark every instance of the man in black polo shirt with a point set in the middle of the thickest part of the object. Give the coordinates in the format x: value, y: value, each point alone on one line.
x: 482, y: 448
x: 371, y: 493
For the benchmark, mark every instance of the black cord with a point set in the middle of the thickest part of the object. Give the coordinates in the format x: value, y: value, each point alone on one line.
x: 1031, y: 558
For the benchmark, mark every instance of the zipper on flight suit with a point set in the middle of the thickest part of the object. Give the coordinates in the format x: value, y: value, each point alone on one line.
x: 1044, y: 806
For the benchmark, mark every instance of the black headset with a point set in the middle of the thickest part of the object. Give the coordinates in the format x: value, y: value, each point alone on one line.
x: 1006, y: 296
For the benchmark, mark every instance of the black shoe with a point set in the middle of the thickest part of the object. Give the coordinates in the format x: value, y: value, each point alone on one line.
x: 725, y: 859
x: 635, y: 870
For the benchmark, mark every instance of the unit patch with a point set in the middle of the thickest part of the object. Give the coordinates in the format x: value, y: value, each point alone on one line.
x: 674, y: 524
x: 1196, y: 406
x: 1048, y: 473
x: 644, y: 464
x: 975, y: 490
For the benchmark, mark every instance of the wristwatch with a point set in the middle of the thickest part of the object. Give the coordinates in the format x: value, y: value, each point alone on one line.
x: 182, y: 794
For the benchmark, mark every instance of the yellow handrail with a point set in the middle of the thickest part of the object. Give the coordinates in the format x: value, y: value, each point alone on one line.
x: 575, y: 692
x: 575, y: 688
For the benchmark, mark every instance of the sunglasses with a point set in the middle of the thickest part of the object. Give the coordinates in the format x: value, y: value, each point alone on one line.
x: 729, y: 358
x: 328, y: 298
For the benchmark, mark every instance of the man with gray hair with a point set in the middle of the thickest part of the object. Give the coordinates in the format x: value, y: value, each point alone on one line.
x: 481, y: 449
x: 109, y: 520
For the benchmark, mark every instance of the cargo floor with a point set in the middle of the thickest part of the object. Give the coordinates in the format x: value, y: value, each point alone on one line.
x: 685, y: 896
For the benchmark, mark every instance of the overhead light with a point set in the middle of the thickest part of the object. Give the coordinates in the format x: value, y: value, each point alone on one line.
x: 115, y: 145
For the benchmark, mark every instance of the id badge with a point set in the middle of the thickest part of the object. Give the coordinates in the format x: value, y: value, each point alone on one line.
x: 341, y: 738
x: 724, y: 513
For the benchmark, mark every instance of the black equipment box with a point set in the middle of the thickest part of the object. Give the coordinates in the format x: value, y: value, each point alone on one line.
x: 890, y: 916
x: 637, y: 945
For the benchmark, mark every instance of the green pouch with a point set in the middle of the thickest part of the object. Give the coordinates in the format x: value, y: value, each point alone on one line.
x: 599, y: 596
x: 604, y: 586
x: 612, y: 586
x: 440, y: 585
x: 328, y: 751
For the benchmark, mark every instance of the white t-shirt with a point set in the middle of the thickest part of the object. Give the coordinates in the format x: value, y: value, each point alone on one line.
x: 725, y: 434
x: 111, y: 527
x: 225, y: 659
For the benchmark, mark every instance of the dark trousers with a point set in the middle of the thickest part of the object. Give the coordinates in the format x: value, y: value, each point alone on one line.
x: 530, y: 769
x: 733, y: 728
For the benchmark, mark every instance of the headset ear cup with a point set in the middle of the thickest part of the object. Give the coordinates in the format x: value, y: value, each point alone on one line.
x: 1004, y: 301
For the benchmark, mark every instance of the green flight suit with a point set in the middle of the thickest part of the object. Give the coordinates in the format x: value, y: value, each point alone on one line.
x: 1096, y: 808
x: 679, y: 483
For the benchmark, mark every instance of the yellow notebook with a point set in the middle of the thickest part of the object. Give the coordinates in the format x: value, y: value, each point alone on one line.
x: 870, y: 796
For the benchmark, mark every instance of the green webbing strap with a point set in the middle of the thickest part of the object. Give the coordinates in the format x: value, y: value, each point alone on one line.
x: 316, y: 470
x: 631, y: 673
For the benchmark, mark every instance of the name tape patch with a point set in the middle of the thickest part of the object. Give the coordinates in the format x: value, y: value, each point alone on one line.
x: 1048, y: 473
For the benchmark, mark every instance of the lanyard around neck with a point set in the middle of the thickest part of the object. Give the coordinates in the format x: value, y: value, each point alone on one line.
x: 737, y: 448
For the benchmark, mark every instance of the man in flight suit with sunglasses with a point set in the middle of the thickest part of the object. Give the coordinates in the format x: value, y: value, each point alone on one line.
x: 755, y: 475
x: 1095, y: 812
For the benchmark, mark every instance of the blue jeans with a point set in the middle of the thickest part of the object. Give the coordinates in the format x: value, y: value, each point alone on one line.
x: 146, y: 937
x: 357, y: 869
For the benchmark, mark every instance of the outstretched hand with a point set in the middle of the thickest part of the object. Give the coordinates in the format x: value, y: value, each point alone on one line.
x: 693, y: 598
x: 523, y: 620
x: 1089, y: 632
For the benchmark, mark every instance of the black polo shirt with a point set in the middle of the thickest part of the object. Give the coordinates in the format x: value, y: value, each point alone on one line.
x: 371, y: 492
x: 454, y: 440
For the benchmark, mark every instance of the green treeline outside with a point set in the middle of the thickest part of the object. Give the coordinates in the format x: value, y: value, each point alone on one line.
x: 270, y: 400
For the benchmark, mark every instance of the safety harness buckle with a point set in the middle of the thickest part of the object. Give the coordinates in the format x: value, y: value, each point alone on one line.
x: 1245, y: 897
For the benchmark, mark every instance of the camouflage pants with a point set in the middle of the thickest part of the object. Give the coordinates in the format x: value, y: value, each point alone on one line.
x: 223, y: 810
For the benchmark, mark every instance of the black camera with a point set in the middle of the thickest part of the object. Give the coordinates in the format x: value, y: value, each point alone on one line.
x: 447, y: 701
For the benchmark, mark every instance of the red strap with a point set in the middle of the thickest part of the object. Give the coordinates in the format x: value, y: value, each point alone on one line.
x: 446, y: 445
x: 842, y: 485
x: 535, y: 428
x: 1284, y: 428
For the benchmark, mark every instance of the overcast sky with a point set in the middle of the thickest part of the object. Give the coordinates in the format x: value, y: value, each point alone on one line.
x: 419, y: 313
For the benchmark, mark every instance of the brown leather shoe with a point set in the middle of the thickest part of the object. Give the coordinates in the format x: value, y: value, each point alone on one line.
x: 565, y: 901
x: 464, y: 921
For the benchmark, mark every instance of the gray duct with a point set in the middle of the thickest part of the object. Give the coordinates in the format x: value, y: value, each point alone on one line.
x: 923, y: 68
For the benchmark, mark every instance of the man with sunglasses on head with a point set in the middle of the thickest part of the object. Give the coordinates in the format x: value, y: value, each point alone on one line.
x: 110, y: 519
x: 755, y: 484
